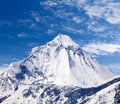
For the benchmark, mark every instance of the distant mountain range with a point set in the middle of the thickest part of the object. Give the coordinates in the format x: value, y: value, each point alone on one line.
x: 59, y: 72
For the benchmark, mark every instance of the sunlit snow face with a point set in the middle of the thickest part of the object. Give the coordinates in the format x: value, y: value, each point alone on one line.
x: 25, y: 24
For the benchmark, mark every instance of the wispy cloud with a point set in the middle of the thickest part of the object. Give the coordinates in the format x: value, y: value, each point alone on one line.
x: 73, y: 30
x: 49, y: 3
x: 95, y: 10
x: 50, y: 31
x: 96, y: 27
x: 24, y: 21
x: 36, y: 16
x: 76, y: 19
x: 33, y: 26
x: 81, y: 2
x: 104, y: 9
x: 77, y: 3
x: 109, y: 11
x: 22, y: 35
x: 64, y: 15
x: 32, y: 44
x: 67, y: 2
x: 5, y: 23
x: 115, y: 67
x: 101, y: 48
x: 4, y: 60
x: 52, y: 3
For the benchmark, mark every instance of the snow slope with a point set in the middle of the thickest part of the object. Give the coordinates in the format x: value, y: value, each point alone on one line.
x: 107, y: 95
x: 39, y: 93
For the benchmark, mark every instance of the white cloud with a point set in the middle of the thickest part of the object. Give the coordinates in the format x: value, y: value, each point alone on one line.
x: 22, y: 35
x: 113, y: 16
x: 77, y: 3
x: 96, y: 27
x: 52, y: 3
x: 72, y: 30
x: 32, y: 44
x: 101, y: 48
x: 64, y: 15
x: 50, y: 31
x: 81, y: 2
x: 36, y: 16
x: 33, y: 26
x: 102, y: 1
x: 109, y: 11
x: 24, y: 21
x: 105, y: 9
x: 5, y: 23
x: 115, y: 67
x: 95, y: 10
x: 49, y: 3
x: 68, y: 2
x: 77, y: 19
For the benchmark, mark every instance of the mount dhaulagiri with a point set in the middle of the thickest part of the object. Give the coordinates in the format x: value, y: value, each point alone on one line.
x: 59, y: 72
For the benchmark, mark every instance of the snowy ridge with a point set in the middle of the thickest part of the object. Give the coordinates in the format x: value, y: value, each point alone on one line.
x: 60, y: 40
x: 49, y: 93
x: 64, y: 40
x: 109, y: 93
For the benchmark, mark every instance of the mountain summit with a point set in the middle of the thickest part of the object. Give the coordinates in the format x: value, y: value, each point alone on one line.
x: 62, y: 62
x: 64, y: 40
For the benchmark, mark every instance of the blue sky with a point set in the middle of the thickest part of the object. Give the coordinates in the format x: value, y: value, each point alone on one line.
x: 93, y: 24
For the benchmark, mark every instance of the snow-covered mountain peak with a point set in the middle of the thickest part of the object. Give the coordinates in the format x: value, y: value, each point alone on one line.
x: 61, y: 62
x: 60, y: 40
x: 64, y: 40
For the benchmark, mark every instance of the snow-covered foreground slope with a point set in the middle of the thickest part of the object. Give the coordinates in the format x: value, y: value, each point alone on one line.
x: 39, y: 93
x: 50, y: 73
x: 109, y: 93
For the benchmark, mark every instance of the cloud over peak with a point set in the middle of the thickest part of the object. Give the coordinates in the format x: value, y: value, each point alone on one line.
x: 102, y: 48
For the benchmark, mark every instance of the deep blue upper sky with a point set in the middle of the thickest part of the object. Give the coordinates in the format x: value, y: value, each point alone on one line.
x: 93, y: 24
